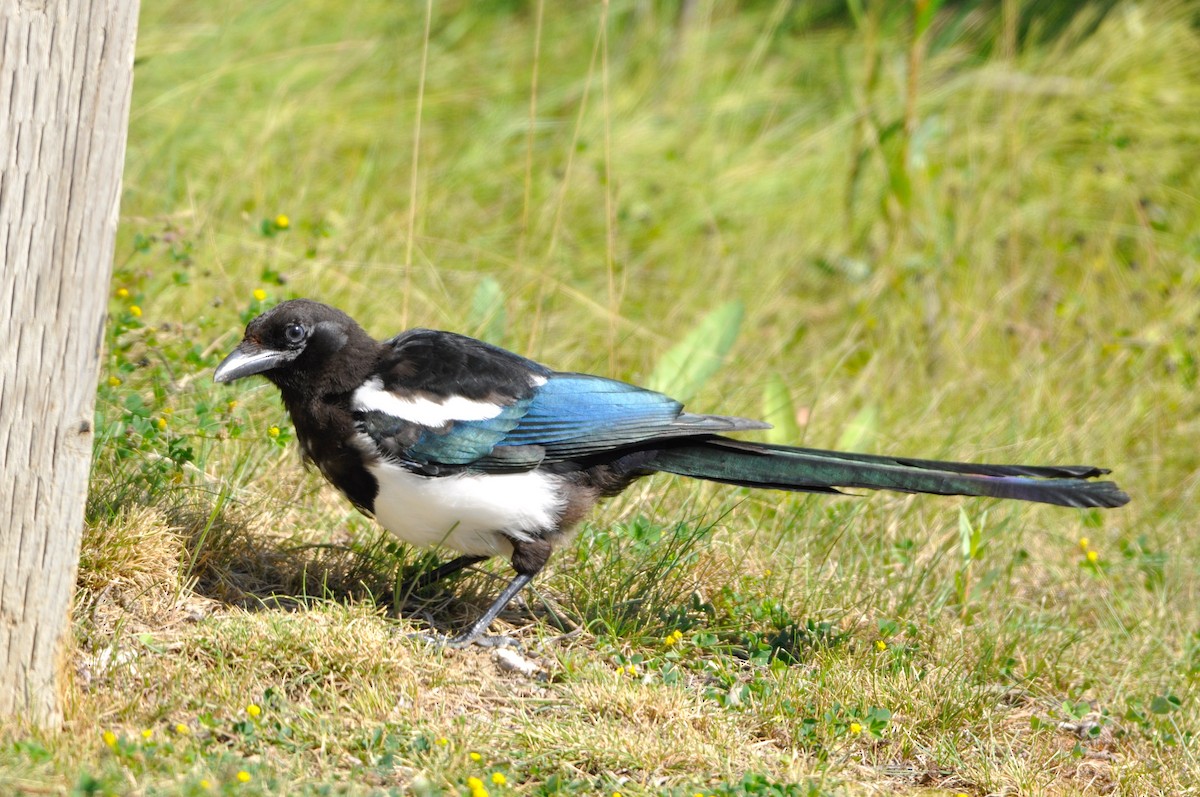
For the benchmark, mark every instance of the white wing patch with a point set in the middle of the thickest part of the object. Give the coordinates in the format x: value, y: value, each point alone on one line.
x: 467, y: 511
x: 372, y: 397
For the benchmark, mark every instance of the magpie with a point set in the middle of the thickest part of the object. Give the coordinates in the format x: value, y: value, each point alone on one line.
x: 449, y: 441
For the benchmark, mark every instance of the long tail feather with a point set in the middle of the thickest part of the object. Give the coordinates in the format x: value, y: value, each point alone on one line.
x: 812, y: 470
x: 1033, y: 471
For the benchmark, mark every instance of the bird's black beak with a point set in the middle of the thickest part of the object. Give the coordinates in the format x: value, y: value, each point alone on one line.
x: 251, y: 358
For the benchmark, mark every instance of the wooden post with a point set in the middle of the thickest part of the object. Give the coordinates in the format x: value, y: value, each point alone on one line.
x: 66, y: 72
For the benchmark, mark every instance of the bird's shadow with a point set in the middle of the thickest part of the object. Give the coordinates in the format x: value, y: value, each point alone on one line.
x: 233, y: 557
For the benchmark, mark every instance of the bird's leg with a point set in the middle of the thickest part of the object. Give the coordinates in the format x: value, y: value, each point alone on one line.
x: 529, y: 557
x: 475, y: 634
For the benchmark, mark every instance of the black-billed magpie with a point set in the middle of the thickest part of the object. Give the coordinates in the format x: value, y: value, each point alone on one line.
x: 447, y: 440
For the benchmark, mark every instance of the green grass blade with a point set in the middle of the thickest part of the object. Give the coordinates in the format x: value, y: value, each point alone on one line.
x: 780, y: 412
x: 684, y: 369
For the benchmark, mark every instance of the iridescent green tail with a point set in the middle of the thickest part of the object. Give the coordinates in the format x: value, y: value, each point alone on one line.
x: 721, y: 459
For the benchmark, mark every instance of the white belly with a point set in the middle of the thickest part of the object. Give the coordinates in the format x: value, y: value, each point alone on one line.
x: 468, y: 511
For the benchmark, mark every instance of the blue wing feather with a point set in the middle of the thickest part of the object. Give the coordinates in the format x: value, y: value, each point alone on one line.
x: 577, y: 413
x: 569, y: 416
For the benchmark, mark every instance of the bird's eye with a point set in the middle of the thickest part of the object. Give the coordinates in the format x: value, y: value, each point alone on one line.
x: 294, y: 333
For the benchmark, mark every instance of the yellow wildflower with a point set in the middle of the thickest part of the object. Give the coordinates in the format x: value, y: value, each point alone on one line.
x: 499, y: 779
x: 122, y: 293
x: 441, y: 741
x: 253, y: 710
x: 110, y: 738
x: 880, y: 644
x: 182, y: 729
x: 161, y: 423
x: 146, y: 734
x: 243, y: 776
x: 1084, y: 542
x: 260, y: 294
x: 855, y: 728
x: 232, y: 405
x: 1093, y: 556
x: 114, y: 381
x: 476, y: 756
x: 205, y: 784
x: 135, y: 311
x: 273, y: 431
x: 476, y: 786
x: 282, y: 221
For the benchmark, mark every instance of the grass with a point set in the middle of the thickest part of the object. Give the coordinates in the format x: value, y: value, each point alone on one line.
x: 994, y: 256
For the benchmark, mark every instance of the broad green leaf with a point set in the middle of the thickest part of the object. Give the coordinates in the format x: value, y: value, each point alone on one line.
x: 684, y: 369
x: 488, y: 318
x: 780, y: 412
x: 860, y: 432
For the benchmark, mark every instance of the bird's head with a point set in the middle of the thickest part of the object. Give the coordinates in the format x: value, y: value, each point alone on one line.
x: 300, y: 342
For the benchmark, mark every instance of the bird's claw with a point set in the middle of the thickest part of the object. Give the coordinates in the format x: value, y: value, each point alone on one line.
x: 463, y: 641
x: 485, y: 641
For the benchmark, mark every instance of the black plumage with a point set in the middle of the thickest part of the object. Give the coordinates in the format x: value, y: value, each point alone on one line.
x: 452, y: 441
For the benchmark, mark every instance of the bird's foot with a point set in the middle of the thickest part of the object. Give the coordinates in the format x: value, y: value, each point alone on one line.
x: 466, y: 640
x: 484, y: 641
x: 475, y: 634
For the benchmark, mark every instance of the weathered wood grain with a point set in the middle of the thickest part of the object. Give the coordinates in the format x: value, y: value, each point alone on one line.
x: 66, y: 72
